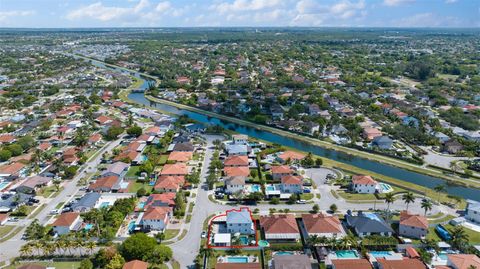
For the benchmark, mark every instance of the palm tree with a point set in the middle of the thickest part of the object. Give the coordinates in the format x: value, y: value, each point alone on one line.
x: 408, y: 198
x: 344, y: 243
x: 91, y: 245
x: 389, y: 199
x: 426, y: 205
x: 459, y: 237
x: 26, y: 250
x: 439, y: 189
x: 313, y: 240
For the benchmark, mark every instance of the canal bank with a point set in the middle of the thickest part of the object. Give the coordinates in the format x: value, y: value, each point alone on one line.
x: 421, y: 178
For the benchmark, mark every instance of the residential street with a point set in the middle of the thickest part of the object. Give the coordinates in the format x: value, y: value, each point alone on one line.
x: 10, y: 248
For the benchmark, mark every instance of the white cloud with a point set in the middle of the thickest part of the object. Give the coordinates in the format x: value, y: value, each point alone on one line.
x: 314, y: 13
x: 6, y: 15
x: 245, y: 5
x: 397, y: 2
x: 163, y: 6
x: 100, y: 12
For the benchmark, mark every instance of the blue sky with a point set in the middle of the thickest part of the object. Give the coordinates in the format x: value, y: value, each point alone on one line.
x: 183, y: 13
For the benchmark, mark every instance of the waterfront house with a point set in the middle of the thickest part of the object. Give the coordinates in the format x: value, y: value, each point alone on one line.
x: 323, y: 225
x: 370, y: 133
x: 291, y: 184
x: 412, y: 225
x: 472, y: 211
x: 279, y: 171
x: 237, y: 149
x: 452, y: 146
x: 240, y: 139
x: 382, y: 142
x: 364, y: 184
x: 365, y: 224
x: 290, y: 156
x: 240, y: 221
x: 66, y: 222
x: 280, y: 227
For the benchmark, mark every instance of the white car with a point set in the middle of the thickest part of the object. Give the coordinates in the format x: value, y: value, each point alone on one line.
x: 301, y: 201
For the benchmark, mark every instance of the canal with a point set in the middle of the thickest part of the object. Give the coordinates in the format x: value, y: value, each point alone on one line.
x: 384, y: 169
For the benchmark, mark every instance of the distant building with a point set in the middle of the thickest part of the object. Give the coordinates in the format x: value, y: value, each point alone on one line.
x: 382, y: 142
x: 452, y: 146
x: 364, y: 184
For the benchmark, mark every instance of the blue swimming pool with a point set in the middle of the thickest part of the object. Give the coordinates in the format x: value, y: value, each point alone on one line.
x: 244, y: 240
x: 270, y: 188
x: 237, y: 259
x: 256, y: 188
x: 104, y: 204
x: 380, y: 254
x: 346, y: 254
x: 88, y: 227
x: 131, y: 226
x: 141, y: 205
x: 283, y: 253
x: 443, y: 256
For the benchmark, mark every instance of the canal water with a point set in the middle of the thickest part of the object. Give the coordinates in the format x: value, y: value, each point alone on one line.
x: 384, y: 169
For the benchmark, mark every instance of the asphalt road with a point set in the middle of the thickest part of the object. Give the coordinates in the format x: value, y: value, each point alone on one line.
x: 11, y: 248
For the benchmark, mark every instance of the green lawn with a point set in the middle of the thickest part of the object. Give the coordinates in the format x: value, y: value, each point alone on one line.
x: 5, y: 230
x: 171, y: 233
x: 356, y: 196
x: 473, y: 236
x: 133, y: 171
x: 306, y: 196
x: 135, y: 186
x: 57, y: 265
x: 47, y: 191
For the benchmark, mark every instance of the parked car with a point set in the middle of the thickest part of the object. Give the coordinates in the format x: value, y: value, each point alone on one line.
x: 301, y: 202
x: 204, y: 234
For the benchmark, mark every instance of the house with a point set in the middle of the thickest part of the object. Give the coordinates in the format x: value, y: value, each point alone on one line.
x: 31, y: 184
x: 323, y: 225
x: 279, y: 171
x: 240, y: 139
x: 463, y: 261
x: 66, y: 222
x: 184, y: 147
x: 240, y: 221
x: 45, y: 146
x: 442, y: 137
x: 135, y: 264
x: 12, y: 171
x: 177, y: 169
x: 160, y: 199
x: 382, y: 142
x: 103, y: 120
x: 179, y: 156
x: 116, y: 169
x: 452, y: 146
x: 11, y: 202
x: 405, y: 263
x: 131, y: 156
x: 86, y: 203
x: 364, y: 184
x: 236, y: 161
x: 237, y: 149
x: 232, y: 171
x: 169, y: 183
x: 292, y: 184
x: 291, y: 261
x: 104, y: 184
x: 412, y: 225
x: 227, y: 265
x: 410, y: 121
x: 472, y: 211
x: 370, y: 133
x: 156, y: 218
x: 368, y: 224
x: 290, y: 155
x: 235, y: 184
x: 280, y: 227
x: 7, y: 139
x: 351, y: 264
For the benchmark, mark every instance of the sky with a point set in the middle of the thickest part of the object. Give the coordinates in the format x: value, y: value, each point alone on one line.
x: 229, y: 13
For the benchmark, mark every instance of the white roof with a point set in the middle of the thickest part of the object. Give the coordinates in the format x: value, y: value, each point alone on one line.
x: 222, y: 238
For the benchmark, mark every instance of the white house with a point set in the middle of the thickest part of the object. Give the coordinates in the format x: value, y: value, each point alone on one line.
x: 67, y: 222
x: 240, y: 139
x: 364, y: 184
x: 156, y: 218
x: 472, y: 212
x: 234, y: 184
x: 292, y: 184
x: 240, y: 221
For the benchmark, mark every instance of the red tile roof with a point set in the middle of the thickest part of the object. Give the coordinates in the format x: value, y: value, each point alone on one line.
x: 180, y: 156
x: 363, y: 180
x: 464, y: 261
x: 175, y: 169
x: 157, y: 213
x: 413, y: 220
x: 281, y: 169
x: 169, y: 182
x: 352, y: 264
x: 401, y: 264
x: 279, y: 224
x: 292, y: 180
x: 238, y: 160
x: 292, y: 155
x: 66, y: 219
x: 321, y: 223
x: 104, y: 182
x: 135, y: 264
x: 7, y: 138
x: 237, y: 266
x: 12, y: 168
x: 232, y: 171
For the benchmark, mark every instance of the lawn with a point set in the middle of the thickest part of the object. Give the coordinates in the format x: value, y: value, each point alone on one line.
x: 5, y: 230
x: 47, y: 191
x: 133, y: 187
x: 171, y: 233
x: 356, y: 196
x: 163, y: 159
x: 133, y: 171
x: 473, y: 236
x: 57, y: 265
x: 306, y: 196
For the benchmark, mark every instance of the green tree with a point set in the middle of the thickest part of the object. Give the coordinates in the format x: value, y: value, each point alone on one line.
x: 135, y: 131
x: 333, y: 208
x: 160, y: 254
x: 26, y: 142
x: 5, y: 155
x: 116, y: 262
x: 408, y: 198
x: 138, y: 246
x: 315, y: 208
x: 426, y: 205
x: 86, y: 264
x: 15, y: 149
x: 70, y: 172
x: 141, y: 192
x: 113, y: 132
x: 389, y: 199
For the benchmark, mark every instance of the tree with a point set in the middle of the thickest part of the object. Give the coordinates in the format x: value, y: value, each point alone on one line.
x: 135, y: 131
x: 319, y: 162
x: 426, y: 205
x: 333, y: 208
x: 459, y: 237
x: 113, y: 132
x: 138, y: 246
x: 147, y: 167
x: 274, y: 201
x: 389, y: 199
x: 292, y: 199
x: 161, y: 254
x: 5, y: 155
x: 26, y: 142
x: 15, y: 149
x: 116, y: 262
x: 86, y: 264
x: 408, y: 198
x: 141, y: 192
x: 315, y: 208
x: 70, y: 171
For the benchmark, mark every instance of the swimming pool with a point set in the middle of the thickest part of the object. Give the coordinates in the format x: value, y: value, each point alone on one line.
x: 380, y: 254
x: 270, y: 188
x: 385, y: 187
x: 141, y: 205
x: 131, y: 226
x: 88, y: 227
x: 346, y: 254
x: 243, y: 240
x: 263, y: 243
x: 237, y: 259
x: 104, y: 204
x: 255, y: 188
x: 443, y: 256
x: 283, y: 253
x: 3, y: 185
